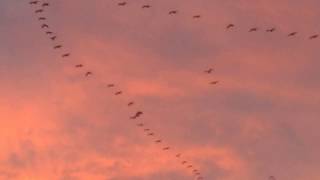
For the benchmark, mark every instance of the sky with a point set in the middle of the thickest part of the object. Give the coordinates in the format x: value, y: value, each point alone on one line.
x: 260, y: 120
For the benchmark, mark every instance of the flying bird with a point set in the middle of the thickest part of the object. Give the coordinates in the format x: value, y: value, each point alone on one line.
x: 314, y: 36
x: 178, y: 155
x: 42, y: 18
x: 173, y: 12
x: 45, y: 4
x: 88, y: 73
x: 49, y: 32
x: 57, y: 47
x: 146, y: 6
x: 230, y: 26
x: 190, y: 166
x: 151, y: 134
x: 138, y: 114
x: 110, y: 85
x: 271, y: 30
x: 79, y: 66
x: 131, y: 103
x: 184, y: 162
x: 122, y: 3
x: 53, y: 38
x: 166, y: 148
x: 65, y: 55
x: 33, y: 2
x: 272, y: 178
x: 118, y: 93
x: 253, y: 29
x: 292, y: 34
x: 39, y: 11
x: 197, y: 16
x: 158, y: 141
x: 146, y: 130
x: 214, y: 82
x: 44, y: 26
x: 140, y: 124
x: 208, y: 71
x: 195, y: 171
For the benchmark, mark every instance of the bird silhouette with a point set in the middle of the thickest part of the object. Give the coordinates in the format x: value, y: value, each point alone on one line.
x: 271, y: 30
x: 166, y: 148
x: 79, y: 66
x: 314, y: 36
x: 178, y: 155
x: 184, y: 162
x: 110, y: 85
x: 253, y: 29
x: 33, y: 2
x: 45, y: 4
x: 214, y: 82
x: 208, y: 71
x: 65, y: 55
x: 131, y: 103
x: 138, y: 114
x: 292, y: 34
x: 89, y: 73
x: 146, y: 130
x: 230, y: 26
x: 272, y: 178
x: 57, y: 47
x: 197, y: 16
x: 146, y: 6
x: 44, y: 26
x: 38, y: 11
x: 140, y: 124
x: 122, y: 3
x: 49, y: 32
x: 158, y: 141
x: 190, y: 166
x: 42, y: 18
x: 150, y: 134
x: 53, y: 38
x: 118, y: 93
x: 173, y: 12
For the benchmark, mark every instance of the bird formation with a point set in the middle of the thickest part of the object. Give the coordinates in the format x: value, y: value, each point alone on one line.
x: 229, y: 26
x: 138, y: 114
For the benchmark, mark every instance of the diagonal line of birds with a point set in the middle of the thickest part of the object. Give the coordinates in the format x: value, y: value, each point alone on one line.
x: 137, y: 115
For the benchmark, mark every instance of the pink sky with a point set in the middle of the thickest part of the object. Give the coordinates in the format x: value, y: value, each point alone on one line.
x: 260, y: 120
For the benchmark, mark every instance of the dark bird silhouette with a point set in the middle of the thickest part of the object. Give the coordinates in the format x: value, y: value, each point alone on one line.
x: 140, y: 124
x: 190, y: 166
x: 131, y: 103
x: 208, y: 71
x: 146, y: 6
x: 65, y: 55
x: 150, y: 134
x: 79, y: 66
x: 138, y: 114
x: 272, y: 178
x: 39, y: 11
x: 271, y: 30
x: 197, y: 16
x: 33, y: 2
x: 314, y: 36
x: 173, y: 12
x: 178, y: 155
x: 44, y: 26
x: 158, y: 141
x: 49, y: 32
x: 230, y: 26
x: 146, y: 130
x: 42, y: 18
x: 110, y: 85
x: 122, y: 3
x: 214, y: 82
x: 88, y: 74
x: 57, y: 47
x: 166, y: 148
x: 253, y: 29
x: 45, y: 4
x: 184, y: 162
x: 53, y: 38
x: 195, y: 170
x: 292, y: 34
x: 118, y: 93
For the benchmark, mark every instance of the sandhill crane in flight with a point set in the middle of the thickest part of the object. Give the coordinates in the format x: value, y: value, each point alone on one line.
x: 184, y: 162
x: 166, y: 148
x: 122, y: 3
x: 138, y: 114
x: 253, y: 29
x: 44, y: 26
x: 131, y: 103
x: 79, y: 66
x: 110, y: 85
x: 190, y: 166
x: 53, y: 38
x: 49, y: 32
x: 292, y: 34
x: 140, y: 124
x: 271, y: 30
x: 65, y: 55
x: 214, y: 82
x: 208, y: 71
x: 230, y: 26
x: 173, y: 12
x: 178, y: 155
x: 45, y: 4
x: 89, y: 73
x: 150, y: 134
x: 197, y: 16
x: 146, y: 130
x: 158, y: 141
x: 39, y: 11
x: 146, y: 6
x: 42, y: 18
x: 57, y: 47
x: 118, y: 93
x: 33, y: 2
x: 314, y: 36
